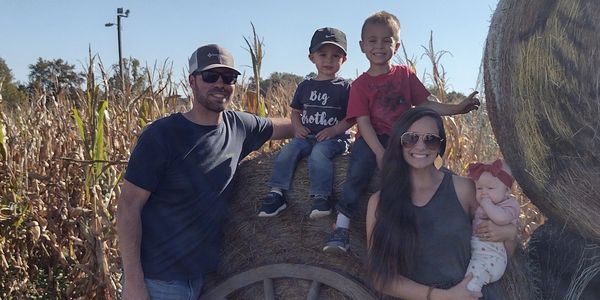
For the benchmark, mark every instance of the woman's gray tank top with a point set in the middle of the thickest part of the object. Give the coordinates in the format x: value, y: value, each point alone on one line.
x: 444, y: 241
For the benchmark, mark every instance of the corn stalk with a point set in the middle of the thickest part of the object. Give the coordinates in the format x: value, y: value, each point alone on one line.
x: 255, y: 47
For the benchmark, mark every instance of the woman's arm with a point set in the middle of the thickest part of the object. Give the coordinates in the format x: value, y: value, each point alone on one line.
x: 490, y: 232
x: 465, y: 191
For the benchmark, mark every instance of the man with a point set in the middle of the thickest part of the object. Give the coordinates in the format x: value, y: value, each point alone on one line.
x: 173, y: 199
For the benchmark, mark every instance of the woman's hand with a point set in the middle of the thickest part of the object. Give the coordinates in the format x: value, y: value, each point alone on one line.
x: 458, y: 291
x: 488, y: 231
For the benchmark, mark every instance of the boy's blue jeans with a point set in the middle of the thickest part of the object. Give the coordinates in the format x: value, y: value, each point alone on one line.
x: 361, y: 168
x: 320, y: 165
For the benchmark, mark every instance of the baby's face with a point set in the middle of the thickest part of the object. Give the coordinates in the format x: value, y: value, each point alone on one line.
x: 489, y: 186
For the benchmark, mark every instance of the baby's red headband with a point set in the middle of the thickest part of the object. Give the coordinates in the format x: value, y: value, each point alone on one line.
x: 475, y: 170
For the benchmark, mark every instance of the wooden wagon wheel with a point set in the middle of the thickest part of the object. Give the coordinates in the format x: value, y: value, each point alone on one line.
x: 267, y: 273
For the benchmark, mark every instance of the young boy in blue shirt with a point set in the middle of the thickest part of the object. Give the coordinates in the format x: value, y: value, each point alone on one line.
x: 320, y: 129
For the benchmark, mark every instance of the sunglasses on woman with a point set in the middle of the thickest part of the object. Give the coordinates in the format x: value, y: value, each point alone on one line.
x: 212, y: 77
x: 431, y: 141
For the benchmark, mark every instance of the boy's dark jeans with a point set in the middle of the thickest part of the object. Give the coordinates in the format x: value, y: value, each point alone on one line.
x: 361, y: 168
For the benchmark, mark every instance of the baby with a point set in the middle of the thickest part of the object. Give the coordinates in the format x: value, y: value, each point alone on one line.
x: 493, y: 183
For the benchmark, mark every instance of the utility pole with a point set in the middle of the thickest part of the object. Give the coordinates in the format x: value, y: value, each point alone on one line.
x: 120, y: 14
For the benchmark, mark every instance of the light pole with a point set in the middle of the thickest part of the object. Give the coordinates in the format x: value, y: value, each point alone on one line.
x: 120, y: 14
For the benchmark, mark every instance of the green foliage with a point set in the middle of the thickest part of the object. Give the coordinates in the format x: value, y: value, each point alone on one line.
x: 9, y: 91
x: 55, y: 76
x: 278, y: 79
x: 135, y: 78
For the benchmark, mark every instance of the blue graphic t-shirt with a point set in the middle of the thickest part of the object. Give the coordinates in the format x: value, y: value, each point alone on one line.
x: 323, y: 102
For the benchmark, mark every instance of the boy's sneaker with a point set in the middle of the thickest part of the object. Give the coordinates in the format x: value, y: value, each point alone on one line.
x: 339, y: 241
x: 320, y: 207
x: 272, y: 205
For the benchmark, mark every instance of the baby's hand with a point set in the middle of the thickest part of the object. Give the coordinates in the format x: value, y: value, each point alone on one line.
x: 485, y: 200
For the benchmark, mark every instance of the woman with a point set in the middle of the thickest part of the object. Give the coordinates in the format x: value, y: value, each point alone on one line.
x: 419, y: 224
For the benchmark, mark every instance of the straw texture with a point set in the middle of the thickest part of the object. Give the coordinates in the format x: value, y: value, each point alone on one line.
x: 543, y: 96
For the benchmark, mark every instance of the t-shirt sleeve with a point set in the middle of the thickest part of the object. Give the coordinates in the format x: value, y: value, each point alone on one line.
x: 296, y: 104
x: 147, y: 161
x: 258, y: 131
x: 511, y: 207
x: 358, y: 104
x: 418, y: 91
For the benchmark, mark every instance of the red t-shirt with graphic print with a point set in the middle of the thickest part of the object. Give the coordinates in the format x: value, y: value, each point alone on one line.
x: 385, y: 97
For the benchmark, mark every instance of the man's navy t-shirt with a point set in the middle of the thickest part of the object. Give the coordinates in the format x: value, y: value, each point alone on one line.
x: 188, y: 169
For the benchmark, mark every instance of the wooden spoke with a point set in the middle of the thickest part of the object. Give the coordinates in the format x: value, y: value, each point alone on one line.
x: 319, y: 276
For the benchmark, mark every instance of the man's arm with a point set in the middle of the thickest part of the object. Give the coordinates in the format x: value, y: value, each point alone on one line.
x: 129, y: 230
x: 282, y: 129
x: 446, y: 109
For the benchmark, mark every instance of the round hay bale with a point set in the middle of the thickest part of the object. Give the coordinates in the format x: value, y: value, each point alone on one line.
x: 542, y: 87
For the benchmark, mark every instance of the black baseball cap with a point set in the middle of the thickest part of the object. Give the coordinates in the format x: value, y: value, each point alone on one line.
x: 327, y: 35
x: 209, y: 57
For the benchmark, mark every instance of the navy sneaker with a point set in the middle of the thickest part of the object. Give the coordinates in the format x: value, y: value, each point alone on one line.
x: 339, y: 241
x: 320, y: 207
x: 272, y: 205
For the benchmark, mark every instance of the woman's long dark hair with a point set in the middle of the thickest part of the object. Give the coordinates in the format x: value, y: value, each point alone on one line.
x: 394, y: 237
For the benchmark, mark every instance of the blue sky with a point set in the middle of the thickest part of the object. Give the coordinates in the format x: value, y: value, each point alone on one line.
x: 159, y: 31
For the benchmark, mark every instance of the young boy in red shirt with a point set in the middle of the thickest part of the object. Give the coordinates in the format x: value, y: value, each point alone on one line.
x: 377, y: 99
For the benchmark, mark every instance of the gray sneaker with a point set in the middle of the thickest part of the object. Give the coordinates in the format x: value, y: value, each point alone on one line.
x: 339, y: 241
x: 272, y: 205
x: 320, y: 207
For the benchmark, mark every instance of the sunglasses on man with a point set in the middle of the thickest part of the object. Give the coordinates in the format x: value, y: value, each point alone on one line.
x: 410, y: 139
x: 212, y: 77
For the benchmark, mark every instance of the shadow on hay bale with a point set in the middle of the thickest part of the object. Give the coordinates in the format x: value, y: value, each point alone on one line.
x: 565, y: 264
x: 292, y: 237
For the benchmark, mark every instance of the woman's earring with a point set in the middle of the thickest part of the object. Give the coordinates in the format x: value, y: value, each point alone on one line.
x: 439, y: 161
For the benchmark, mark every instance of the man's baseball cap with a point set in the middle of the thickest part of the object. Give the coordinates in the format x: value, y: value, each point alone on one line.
x: 209, y: 57
x: 327, y: 35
